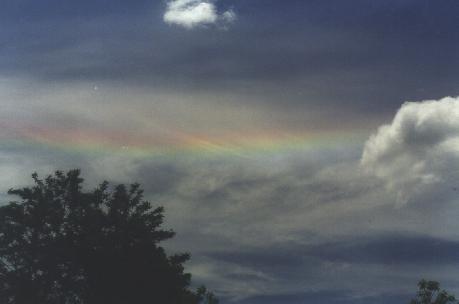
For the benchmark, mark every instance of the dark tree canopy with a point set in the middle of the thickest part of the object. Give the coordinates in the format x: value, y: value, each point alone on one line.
x: 430, y: 293
x: 60, y: 245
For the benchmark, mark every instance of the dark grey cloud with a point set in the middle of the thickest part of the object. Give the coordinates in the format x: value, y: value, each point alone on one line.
x: 326, y: 297
x: 360, y: 55
x: 363, y: 263
x: 394, y: 249
x: 160, y: 178
x: 27, y: 10
x: 264, y: 258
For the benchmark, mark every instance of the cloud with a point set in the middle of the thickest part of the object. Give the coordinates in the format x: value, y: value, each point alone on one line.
x: 229, y: 16
x: 418, y: 152
x: 394, y: 249
x: 192, y: 13
x: 360, y: 267
x: 334, y: 297
x: 269, y: 224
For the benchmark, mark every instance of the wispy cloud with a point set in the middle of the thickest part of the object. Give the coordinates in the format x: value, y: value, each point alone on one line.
x: 192, y: 13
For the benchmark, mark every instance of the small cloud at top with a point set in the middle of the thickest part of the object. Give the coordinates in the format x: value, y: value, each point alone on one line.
x: 193, y: 13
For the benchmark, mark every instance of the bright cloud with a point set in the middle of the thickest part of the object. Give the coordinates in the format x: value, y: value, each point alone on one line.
x: 418, y: 152
x: 192, y: 13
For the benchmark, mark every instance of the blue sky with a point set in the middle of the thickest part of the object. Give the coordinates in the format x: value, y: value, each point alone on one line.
x: 275, y: 133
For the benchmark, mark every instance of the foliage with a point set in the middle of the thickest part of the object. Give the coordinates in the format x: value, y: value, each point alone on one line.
x: 430, y: 293
x: 206, y: 297
x: 59, y: 245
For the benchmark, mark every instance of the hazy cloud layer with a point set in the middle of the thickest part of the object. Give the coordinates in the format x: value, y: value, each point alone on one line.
x: 418, y: 152
x: 273, y: 227
x: 284, y: 224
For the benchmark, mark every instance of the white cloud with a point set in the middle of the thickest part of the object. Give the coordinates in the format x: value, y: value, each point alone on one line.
x: 418, y: 152
x: 192, y: 13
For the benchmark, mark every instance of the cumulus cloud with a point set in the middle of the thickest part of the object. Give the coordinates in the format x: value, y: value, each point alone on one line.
x: 418, y: 152
x: 192, y: 13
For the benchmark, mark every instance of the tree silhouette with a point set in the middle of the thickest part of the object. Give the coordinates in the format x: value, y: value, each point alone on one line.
x: 429, y: 293
x: 60, y: 245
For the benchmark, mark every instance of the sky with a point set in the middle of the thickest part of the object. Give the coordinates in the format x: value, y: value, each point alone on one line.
x: 304, y: 151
